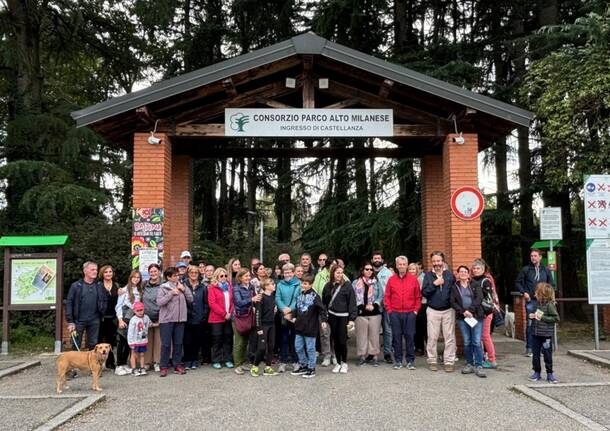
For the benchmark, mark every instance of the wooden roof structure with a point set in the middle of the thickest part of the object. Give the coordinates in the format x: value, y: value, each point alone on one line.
x: 190, y: 108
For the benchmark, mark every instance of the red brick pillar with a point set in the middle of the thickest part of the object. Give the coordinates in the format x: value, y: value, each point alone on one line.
x: 182, y: 207
x: 152, y: 179
x: 520, y: 317
x: 606, y: 318
x: 433, y: 208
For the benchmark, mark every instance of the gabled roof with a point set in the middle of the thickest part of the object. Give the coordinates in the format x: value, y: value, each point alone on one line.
x: 307, y: 43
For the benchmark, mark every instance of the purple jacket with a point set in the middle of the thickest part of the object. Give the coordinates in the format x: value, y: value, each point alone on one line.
x: 172, y: 308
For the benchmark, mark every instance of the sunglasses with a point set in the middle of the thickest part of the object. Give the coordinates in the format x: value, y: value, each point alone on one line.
x: 368, y: 269
x: 222, y: 276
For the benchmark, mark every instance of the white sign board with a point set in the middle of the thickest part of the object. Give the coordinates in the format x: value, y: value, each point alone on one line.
x: 597, y: 206
x: 252, y: 122
x: 147, y: 256
x: 550, y: 223
x: 598, y: 271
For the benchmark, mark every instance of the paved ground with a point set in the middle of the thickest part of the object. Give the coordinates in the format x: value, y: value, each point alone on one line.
x: 592, y: 402
x: 364, y: 398
x: 38, y: 411
x: 8, y: 364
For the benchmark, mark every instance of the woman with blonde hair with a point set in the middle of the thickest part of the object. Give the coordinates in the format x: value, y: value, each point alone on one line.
x: 233, y: 267
x: 220, y: 301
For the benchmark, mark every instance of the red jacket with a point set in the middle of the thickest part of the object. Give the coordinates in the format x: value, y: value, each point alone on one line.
x: 402, y: 294
x: 216, y: 301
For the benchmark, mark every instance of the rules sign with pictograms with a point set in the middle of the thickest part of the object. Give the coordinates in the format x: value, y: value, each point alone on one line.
x: 597, y: 206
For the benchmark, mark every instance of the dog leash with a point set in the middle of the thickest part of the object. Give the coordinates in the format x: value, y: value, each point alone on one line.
x: 73, y: 334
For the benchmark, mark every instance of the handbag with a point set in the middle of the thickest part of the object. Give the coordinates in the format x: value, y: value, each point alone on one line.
x: 244, y: 322
x: 498, y: 319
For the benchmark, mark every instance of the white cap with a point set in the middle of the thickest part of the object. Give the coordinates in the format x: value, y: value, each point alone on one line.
x: 184, y: 254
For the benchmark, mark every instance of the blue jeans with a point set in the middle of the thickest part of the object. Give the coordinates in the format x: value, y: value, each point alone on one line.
x: 172, y: 335
x: 306, y: 349
x: 403, y: 325
x: 472, y: 342
x: 530, y: 307
x: 387, y: 334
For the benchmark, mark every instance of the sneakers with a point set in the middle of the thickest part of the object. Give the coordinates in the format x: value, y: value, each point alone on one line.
x: 163, y: 372
x: 136, y: 372
x: 193, y: 365
x: 468, y: 369
x: 299, y: 371
x: 369, y: 358
x: 490, y: 365
x: 449, y: 368
x: 374, y: 362
x: 120, y: 370
x: 361, y: 362
x: 254, y: 372
x: 535, y: 377
x: 326, y: 361
x: 157, y: 367
x: 334, y: 360
x: 337, y: 368
x: 143, y: 371
x: 239, y: 370
x: 433, y: 366
x: 246, y: 366
x: 480, y: 372
x: 281, y: 368
x: 229, y: 364
x: 309, y: 374
x: 296, y: 366
x: 268, y: 371
x: 387, y: 358
x: 343, y: 368
x: 550, y: 377
x: 216, y: 365
x: 397, y: 365
x: 179, y: 370
x: 410, y: 366
x: 528, y: 353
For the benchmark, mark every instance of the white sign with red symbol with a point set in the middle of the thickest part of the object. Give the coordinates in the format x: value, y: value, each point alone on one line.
x: 597, y: 206
x: 467, y: 203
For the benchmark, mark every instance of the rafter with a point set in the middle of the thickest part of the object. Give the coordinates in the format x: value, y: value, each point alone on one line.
x: 273, y: 103
x: 343, y: 104
x: 386, y: 86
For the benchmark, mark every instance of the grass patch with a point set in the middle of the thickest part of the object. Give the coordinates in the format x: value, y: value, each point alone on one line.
x: 29, y: 340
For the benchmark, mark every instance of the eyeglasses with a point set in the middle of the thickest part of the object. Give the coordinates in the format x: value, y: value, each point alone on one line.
x: 368, y: 269
x: 321, y: 260
x: 193, y: 272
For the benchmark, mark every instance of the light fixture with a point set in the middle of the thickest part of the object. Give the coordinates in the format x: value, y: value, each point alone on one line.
x: 291, y: 83
x: 323, y: 83
x: 152, y: 139
x: 457, y: 139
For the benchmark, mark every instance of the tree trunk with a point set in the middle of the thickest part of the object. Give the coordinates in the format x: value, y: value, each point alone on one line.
x: 251, y: 176
x: 223, y: 207
x: 209, y: 207
x: 372, y: 182
x: 283, y: 198
x: 362, y: 193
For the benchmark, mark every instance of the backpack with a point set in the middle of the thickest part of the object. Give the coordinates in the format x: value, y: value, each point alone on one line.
x: 488, y: 300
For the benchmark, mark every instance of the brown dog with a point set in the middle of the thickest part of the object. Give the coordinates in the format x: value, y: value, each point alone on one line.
x: 92, y: 360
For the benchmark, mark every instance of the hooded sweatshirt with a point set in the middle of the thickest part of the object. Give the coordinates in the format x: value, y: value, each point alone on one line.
x: 173, y: 308
x: 310, y: 312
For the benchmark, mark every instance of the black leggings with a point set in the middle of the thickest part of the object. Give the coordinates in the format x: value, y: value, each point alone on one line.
x: 108, y: 335
x: 338, y: 334
x: 222, y: 341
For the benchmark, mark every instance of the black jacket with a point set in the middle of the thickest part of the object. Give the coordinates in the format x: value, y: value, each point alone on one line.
x: 345, y: 301
x: 310, y: 312
x: 264, y: 312
x: 477, y: 296
x: 198, y: 309
x: 528, y: 279
x: 73, y: 300
x: 545, y: 327
x: 439, y: 297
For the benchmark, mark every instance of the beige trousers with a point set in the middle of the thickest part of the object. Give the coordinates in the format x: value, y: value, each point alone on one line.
x: 441, y: 322
x: 367, y: 335
x: 153, y: 349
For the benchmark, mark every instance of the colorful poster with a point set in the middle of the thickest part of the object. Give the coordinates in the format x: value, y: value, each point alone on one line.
x: 147, y: 234
x: 33, y: 281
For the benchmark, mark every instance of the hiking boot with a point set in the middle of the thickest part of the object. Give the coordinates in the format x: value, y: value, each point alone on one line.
x: 480, y: 372
x: 535, y: 377
x: 326, y: 361
x: 239, y: 370
x: 397, y: 365
x: 310, y: 374
x: 254, y: 372
x: 550, y: 377
x: 268, y: 371
x: 179, y: 370
x: 361, y: 362
x: 387, y: 358
x: 449, y: 368
x: 433, y: 366
x: 281, y: 368
x: 410, y: 366
x: 163, y: 372
x: 468, y: 369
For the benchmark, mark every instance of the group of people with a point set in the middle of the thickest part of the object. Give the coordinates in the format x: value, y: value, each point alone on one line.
x: 249, y: 319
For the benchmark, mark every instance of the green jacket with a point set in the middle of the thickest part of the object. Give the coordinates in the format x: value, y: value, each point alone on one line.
x: 323, y: 277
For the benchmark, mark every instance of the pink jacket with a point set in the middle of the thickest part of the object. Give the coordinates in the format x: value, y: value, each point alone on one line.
x: 216, y: 301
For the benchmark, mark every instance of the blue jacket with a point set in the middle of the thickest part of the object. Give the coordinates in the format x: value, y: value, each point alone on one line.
x: 198, y: 310
x: 439, y: 298
x: 286, y: 294
x: 242, y: 298
x: 73, y: 300
x: 528, y: 278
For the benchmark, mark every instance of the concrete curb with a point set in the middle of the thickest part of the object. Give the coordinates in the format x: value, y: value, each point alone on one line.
x: 18, y: 368
x: 56, y: 421
x: 529, y: 391
x: 589, y: 355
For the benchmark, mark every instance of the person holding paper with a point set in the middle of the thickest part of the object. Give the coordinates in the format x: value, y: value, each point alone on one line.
x: 466, y: 297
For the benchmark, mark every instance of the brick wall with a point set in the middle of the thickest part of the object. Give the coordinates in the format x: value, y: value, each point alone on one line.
x: 520, y: 317
x: 433, y: 206
x: 182, y: 207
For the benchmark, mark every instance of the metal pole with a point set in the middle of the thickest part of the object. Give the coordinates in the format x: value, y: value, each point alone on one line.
x: 555, y: 281
x: 596, y: 326
x: 262, y: 238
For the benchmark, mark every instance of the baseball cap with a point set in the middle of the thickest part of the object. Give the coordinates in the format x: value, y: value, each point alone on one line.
x: 185, y: 253
x: 181, y: 265
x: 138, y: 306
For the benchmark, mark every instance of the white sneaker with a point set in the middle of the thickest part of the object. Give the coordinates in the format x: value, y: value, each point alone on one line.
x: 326, y: 361
x: 281, y: 368
x: 343, y: 368
x: 143, y: 371
x: 337, y: 368
x: 128, y: 370
x: 120, y: 370
x: 334, y: 360
x: 296, y: 366
x: 157, y: 367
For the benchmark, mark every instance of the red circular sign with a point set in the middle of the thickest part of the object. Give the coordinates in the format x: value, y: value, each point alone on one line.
x: 467, y: 203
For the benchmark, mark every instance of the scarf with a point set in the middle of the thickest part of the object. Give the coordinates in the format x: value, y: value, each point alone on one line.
x: 223, y: 285
x: 360, y: 287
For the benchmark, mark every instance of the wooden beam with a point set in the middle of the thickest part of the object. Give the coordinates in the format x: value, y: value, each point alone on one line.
x: 145, y: 115
x: 308, y: 84
x: 218, y: 129
x: 386, y: 86
x: 229, y: 87
x: 343, y: 104
x: 273, y: 103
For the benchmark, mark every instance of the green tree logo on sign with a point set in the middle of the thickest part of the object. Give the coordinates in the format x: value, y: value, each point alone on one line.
x: 238, y: 121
